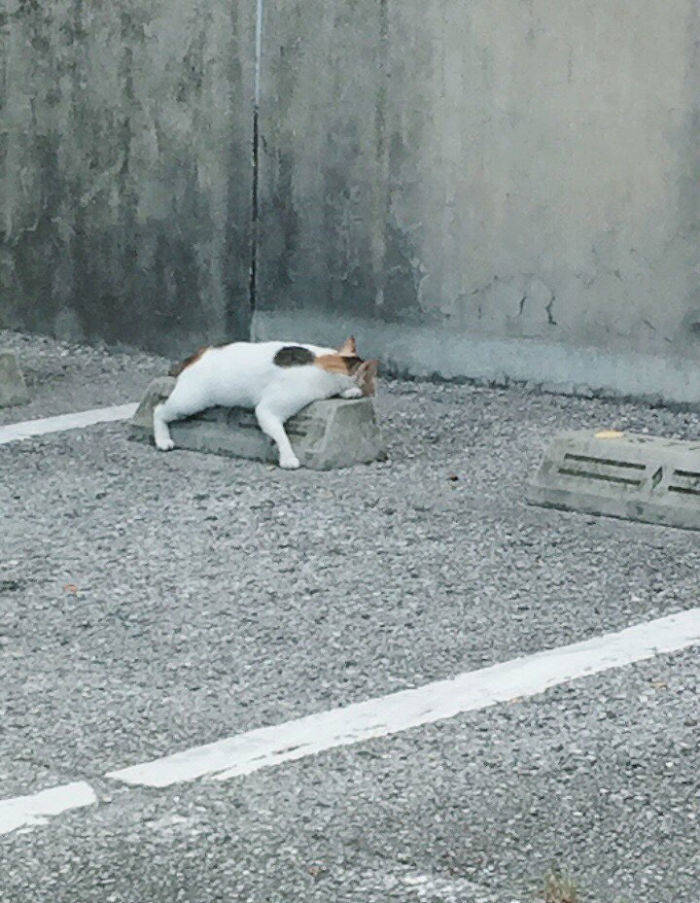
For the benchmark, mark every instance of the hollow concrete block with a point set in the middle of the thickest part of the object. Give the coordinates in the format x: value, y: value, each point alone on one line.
x: 326, y: 434
x: 627, y: 475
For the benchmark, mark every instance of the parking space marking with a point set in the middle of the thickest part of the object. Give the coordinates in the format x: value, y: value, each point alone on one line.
x: 20, y: 811
x: 379, y: 717
x: 406, y: 709
x: 13, y: 432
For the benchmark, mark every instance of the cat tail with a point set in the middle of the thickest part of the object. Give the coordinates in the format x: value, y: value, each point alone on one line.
x: 177, y: 369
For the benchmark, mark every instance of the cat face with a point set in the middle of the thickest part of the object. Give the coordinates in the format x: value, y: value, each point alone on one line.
x: 363, y: 372
x: 346, y: 362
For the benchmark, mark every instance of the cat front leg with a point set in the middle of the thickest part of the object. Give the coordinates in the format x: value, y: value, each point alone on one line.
x: 161, y: 433
x: 273, y: 427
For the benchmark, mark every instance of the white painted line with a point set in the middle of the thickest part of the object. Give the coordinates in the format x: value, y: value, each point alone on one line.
x: 406, y: 709
x: 31, y: 810
x: 28, y: 428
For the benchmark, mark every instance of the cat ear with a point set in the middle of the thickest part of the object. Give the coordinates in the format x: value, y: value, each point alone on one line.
x: 365, y: 376
x: 348, y: 348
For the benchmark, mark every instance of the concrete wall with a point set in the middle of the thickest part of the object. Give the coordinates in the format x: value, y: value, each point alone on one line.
x: 488, y: 188
x: 492, y: 188
x: 125, y: 146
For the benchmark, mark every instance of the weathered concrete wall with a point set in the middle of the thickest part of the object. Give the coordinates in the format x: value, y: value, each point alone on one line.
x: 125, y: 146
x: 493, y: 188
x: 498, y: 188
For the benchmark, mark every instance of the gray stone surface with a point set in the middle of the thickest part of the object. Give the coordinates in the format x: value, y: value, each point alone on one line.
x: 326, y: 434
x: 156, y: 391
x: 125, y: 175
x: 620, y: 474
x: 13, y: 389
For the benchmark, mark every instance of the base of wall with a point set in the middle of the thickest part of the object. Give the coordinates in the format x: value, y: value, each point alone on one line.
x: 547, y: 366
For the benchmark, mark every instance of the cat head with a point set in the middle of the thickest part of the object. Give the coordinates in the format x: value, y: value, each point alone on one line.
x: 347, y: 361
x: 363, y: 372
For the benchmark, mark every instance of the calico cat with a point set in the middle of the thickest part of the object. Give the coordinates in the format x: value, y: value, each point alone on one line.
x: 276, y: 379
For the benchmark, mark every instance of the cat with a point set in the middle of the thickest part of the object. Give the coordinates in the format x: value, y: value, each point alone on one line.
x: 276, y: 379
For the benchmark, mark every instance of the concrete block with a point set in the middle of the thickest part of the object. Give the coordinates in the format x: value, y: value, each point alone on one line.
x: 158, y: 390
x: 13, y: 389
x: 624, y: 475
x: 326, y: 434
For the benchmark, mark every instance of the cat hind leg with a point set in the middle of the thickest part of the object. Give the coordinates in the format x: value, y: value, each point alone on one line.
x: 271, y: 424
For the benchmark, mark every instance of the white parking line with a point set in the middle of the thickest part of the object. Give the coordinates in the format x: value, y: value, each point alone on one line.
x: 380, y: 717
x: 31, y: 810
x: 13, y: 432
x: 384, y: 715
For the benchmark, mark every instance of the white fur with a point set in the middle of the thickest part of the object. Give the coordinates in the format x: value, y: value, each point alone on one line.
x: 243, y: 375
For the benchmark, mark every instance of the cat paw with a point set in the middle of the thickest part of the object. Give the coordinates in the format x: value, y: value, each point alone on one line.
x: 353, y: 392
x: 165, y: 444
x: 289, y: 463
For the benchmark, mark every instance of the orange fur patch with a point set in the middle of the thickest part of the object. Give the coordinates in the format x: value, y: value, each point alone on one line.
x: 192, y: 359
x: 337, y: 363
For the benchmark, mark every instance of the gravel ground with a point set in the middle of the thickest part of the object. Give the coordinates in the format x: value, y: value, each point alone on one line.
x: 595, y: 780
x: 152, y: 602
x: 63, y: 377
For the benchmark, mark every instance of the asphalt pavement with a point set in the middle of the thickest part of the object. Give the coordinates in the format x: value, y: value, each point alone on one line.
x: 152, y: 602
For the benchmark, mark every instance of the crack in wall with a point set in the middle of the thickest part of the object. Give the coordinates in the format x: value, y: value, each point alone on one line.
x: 254, y: 211
x: 549, y: 308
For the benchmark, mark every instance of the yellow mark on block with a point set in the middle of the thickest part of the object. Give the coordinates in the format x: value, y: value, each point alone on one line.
x: 609, y: 434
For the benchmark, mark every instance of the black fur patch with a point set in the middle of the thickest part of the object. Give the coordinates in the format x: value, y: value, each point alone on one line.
x: 293, y: 356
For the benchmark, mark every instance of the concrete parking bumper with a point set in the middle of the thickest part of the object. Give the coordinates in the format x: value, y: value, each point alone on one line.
x: 325, y: 435
x: 624, y: 475
x: 13, y: 389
